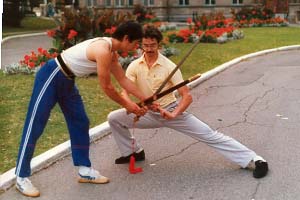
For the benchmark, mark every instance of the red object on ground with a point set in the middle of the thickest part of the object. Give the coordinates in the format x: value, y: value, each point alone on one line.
x: 132, y: 168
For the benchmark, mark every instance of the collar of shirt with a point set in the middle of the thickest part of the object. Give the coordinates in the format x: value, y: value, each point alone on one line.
x: 159, y: 60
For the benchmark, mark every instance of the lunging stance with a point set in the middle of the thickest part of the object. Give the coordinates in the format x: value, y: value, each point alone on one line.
x: 148, y: 72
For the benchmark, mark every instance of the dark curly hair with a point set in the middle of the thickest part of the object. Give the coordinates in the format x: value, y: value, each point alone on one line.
x: 132, y: 29
x: 153, y: 32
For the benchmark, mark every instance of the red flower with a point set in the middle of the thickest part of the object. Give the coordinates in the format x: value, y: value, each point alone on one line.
x: 189, y: 20
x: 199, y: 33
x: 72, y: 34
x: 51, y: 33
x: 148, y: 16
x: 111, y: 30
x: 31, y: 64
x: 37, y: 59
x: 40, y: 50
x: 124, y: 54
x: 26, y: 57
x: 212, y: 23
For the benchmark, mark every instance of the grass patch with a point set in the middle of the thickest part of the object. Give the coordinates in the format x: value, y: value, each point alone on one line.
x: 29, y: 25
x: 15, y: 95
x: 16, y: 89
x: 207, y: 55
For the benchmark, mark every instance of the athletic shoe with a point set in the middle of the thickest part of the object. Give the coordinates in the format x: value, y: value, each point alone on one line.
x: 93, y: 176
x: 25, y: 186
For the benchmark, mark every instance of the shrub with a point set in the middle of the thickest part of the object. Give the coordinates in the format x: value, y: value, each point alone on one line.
x: 143, y: 16
x: 252, y: 13
x: 75, y: 26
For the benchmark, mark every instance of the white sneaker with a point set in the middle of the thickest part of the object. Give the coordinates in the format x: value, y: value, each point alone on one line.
x: 92, y: 176
x: 25, y: 186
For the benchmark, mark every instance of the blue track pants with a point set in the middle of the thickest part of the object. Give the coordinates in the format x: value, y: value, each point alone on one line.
x: 51, y: 86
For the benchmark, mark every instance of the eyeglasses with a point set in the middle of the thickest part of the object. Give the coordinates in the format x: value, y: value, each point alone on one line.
x: 149, y: 46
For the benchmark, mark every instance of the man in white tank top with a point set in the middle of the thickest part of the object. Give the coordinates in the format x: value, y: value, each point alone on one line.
x: 54, y: 83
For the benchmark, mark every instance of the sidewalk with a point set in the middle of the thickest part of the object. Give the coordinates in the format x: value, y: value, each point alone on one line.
x: 253, y: 90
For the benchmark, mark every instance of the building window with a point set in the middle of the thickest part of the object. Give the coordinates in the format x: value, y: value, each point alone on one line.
x: 148, y: 2
x: 184, y: 2
x: 130, y: 2
x: 210, y: 2
x: 294, y: 1
x: 91, y: 2
x: 237, y: 2
x: 119, y: 3
x: 107, y: 2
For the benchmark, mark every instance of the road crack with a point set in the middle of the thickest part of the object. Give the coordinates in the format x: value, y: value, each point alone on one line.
x: 176, y: 154
x: 245, y: 114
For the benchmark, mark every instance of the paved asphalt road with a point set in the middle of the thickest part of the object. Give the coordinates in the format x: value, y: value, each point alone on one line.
x: 256, y: 101
x: 13, y: 50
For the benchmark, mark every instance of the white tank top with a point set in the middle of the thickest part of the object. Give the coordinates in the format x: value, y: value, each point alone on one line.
x: 76, y: 59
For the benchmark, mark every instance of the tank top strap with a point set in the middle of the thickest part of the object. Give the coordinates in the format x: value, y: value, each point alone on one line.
x: 108, y: 39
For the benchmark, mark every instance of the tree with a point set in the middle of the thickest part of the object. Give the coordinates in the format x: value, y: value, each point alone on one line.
x: 13, y: 12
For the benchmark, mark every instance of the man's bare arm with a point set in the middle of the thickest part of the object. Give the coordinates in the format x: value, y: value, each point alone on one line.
x: 104, y: 65
x: 186, y: 100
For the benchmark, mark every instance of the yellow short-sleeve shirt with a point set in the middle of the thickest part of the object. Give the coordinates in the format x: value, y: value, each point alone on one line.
x: 149, y: 80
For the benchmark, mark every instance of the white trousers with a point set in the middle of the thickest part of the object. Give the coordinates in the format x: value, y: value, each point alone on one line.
x: 120, y: 123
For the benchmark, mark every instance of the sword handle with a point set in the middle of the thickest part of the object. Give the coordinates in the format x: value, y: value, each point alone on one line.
x: 149, y: 100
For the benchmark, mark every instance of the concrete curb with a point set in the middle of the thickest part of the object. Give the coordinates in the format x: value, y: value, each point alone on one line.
x: 22, y: 36
x: 51, y: 156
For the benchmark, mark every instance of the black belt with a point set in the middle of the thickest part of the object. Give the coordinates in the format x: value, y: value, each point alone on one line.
x: 65, y: 68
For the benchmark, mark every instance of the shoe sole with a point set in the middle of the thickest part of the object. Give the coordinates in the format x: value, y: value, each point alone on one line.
x: 118, y: 163
x: 28, y: 195
x: 126, y: 162
x: 260, y: 175
x: 103, y: 181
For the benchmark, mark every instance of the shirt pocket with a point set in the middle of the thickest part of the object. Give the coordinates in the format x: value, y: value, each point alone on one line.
x: 156, y: 82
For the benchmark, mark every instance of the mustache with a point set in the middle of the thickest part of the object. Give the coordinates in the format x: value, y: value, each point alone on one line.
x: 149, y: 51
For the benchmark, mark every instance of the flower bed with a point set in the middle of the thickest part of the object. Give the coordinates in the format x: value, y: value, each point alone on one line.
x: 254, y: 22
x: 217, y: 30
x: 31, y: 62
x: 257, y: 17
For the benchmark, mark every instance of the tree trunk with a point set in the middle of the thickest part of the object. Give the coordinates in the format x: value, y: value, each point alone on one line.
x: 12, y: 14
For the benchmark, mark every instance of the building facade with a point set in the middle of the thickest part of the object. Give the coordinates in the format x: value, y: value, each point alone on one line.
x: 180, y: 10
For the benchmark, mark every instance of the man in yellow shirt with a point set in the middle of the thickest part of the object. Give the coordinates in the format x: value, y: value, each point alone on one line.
x: 148, y: 72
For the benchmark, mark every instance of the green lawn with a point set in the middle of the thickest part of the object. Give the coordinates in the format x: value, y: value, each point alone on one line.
x: 29, y: 25
x: 15, y: 90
